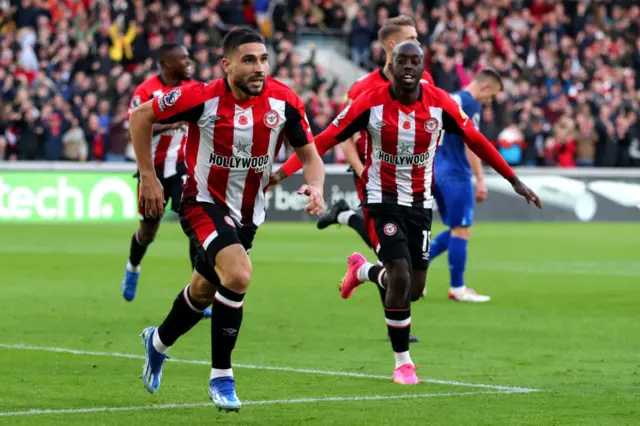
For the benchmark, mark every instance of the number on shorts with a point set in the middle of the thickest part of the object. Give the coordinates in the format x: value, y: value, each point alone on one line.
x: 425, y: 241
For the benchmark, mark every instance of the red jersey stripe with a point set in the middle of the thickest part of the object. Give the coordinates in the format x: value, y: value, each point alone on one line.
x: 259, y: 148
x: 389, y: 141
x: 222, y: 146
x: 418, y: 171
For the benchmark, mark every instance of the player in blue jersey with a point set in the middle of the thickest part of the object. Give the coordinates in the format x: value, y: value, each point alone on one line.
x: 455, y: 165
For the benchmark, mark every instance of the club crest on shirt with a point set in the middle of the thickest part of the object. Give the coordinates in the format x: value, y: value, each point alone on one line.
x: 271, y: 119
x: 432, y: 125
x: 390, y: 229
x: 229, y: 221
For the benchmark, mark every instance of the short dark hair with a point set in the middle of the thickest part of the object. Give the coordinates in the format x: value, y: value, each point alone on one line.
x: 394, y: 26
x: 167, y: 48
x: 490, y: 74
x: 238, y: 37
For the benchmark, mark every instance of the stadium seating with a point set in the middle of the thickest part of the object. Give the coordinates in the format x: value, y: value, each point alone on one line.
x: 572, y: 71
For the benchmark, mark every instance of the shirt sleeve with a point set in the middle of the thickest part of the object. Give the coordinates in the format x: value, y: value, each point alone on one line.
x: 469, y: 108
x: 140, y: 96
x: 455, y: 120
x: 323, y: 142
x: 184, y: 103
x: 353, y: 118
x: 428, y: 78
x: 296, y: 126
x: 356, y: 90
x: 338, y: 131
x: 351, y: 94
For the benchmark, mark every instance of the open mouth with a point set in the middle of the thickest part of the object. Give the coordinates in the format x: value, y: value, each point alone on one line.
x: 408, y: 78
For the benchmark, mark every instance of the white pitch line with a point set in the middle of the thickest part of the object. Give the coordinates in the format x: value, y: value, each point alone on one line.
x: 269, y: 368
x: 38, y: 412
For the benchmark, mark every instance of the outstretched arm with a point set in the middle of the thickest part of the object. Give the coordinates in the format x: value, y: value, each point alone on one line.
x: 299, y: 135
x: 456, y: 121
x: 323, y: 143
x: 346, y: 124
x: 349, y: 146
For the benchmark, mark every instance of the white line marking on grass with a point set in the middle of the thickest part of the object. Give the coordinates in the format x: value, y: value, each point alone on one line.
x: 38, y: 412
x: 270, y: 368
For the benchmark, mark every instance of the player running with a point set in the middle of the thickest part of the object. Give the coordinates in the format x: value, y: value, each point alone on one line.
x: 394, y: 32
x: 404, y: 121
x: 236, y: 125
x: 453, y: 188
x: 167, y: 150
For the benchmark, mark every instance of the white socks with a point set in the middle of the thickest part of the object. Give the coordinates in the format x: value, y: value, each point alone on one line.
x: 363, y: 272
x: 157, y: 343
x: 458, y: 290
x: 402, y: 358
x: 343, y: 217
x: 132, y: 268
x: 215, y: 373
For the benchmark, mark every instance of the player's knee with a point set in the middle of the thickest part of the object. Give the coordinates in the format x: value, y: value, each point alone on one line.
x: 147, y: 234
x: 234, y: 268
x: 463, y: 232
x: 239, y: 279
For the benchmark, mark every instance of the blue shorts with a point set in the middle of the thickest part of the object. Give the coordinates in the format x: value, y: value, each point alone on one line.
x: 455, y: 199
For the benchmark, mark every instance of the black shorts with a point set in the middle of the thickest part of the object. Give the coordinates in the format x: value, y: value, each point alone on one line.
x: 210, y: 229
x: 172, y: 191
x: 399, y: 232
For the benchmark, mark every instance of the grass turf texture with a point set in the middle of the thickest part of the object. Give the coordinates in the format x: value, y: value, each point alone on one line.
x: 563, y: 319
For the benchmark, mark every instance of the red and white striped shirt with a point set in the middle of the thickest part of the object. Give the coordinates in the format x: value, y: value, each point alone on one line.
x: 232, y: 144
x: 402, y: 142
x: 167, y: 147
x: 371, y: 81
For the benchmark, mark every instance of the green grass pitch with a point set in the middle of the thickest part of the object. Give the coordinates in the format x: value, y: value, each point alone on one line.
x: 563, y: 320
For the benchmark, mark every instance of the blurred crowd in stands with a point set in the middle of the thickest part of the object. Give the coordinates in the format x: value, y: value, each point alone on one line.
x: 571, y: 68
